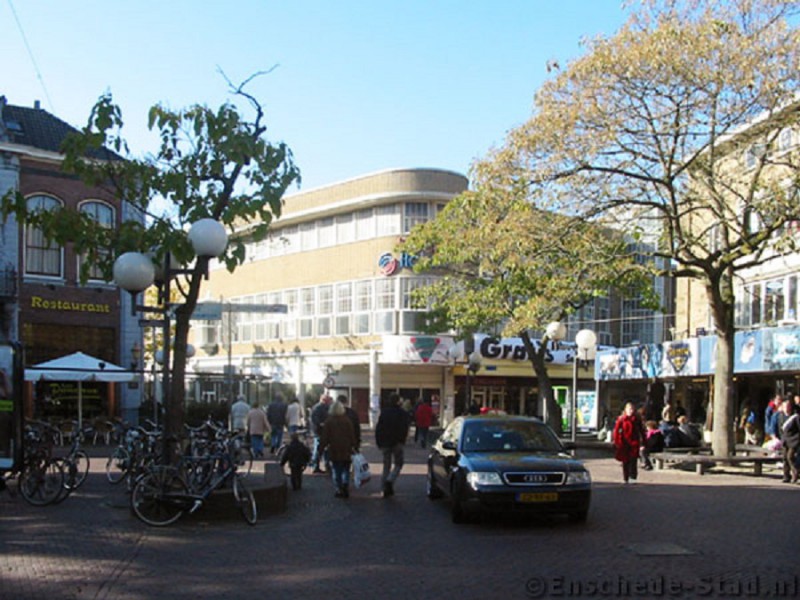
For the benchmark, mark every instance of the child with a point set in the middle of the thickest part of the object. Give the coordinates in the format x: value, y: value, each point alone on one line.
x: 298, y: 456
x: 653, y: 442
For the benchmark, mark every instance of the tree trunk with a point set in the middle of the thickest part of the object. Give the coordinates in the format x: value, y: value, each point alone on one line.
x: 538, y: 360
x: 175, y: 413
x: 723, y: 437
x: 720, y: 295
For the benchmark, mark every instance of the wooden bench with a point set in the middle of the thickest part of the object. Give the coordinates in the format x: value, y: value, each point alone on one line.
x: 703, y: 462
x: 748, y: 449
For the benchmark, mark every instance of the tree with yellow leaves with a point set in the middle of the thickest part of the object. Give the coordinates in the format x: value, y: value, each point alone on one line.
x: 654, y: 129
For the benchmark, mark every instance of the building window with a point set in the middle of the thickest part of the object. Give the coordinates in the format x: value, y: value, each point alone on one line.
x: 326, y: 232
x: 774, y: 300
x: 416, y: 213
x: 345, y: 229
x: 307, y: 309
x: 290, y: 320
x: 755, y: 304
x: 363, y: 307
x: 388, y: 220
x: 42, y: 257
x: 365, y: 224
x: 324, y: 310
x: 245, y: 322
x: 273, y: 320
x: 385, y: 305
x: 308, y: 236
x: 103, y: 214
x: 344, y: 307
x: 207, y: 332
x: 260, y: 321
x: 290, y: 238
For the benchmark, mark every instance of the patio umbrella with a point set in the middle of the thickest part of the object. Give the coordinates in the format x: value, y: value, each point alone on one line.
x: 79, y: 367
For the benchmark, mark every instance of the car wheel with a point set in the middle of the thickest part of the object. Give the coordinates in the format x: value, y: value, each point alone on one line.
x: 433, y: 491
x: 579, y: 516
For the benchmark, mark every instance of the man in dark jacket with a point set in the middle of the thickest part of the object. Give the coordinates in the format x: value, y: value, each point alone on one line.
x: 353, y: 416
x: 390, y: 436
x: 276, y: 415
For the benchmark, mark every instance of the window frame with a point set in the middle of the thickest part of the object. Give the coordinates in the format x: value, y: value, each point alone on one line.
x: 45, y: 247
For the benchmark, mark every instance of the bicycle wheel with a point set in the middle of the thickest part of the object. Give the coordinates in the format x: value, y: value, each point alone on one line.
x: 77, y: 469
x: 245, y: 500
x: 66, y: 488
x: 244, y: 459
x: 159, y: 497
x: 118, y: 465
x: 41, y: 483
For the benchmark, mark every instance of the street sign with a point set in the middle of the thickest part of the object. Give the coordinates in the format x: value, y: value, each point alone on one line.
x: 207, y: 311
x: 212, y: 311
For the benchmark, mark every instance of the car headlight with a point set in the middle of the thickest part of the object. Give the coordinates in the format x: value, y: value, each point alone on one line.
x: 477, y: 478
x: 575, y: 477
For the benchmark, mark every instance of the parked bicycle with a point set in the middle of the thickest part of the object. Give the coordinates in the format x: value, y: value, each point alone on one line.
x: 138, y: 449
x: 165, y: 492
x: 213, y: 438
x: 75, y: 465
x: 40, y: 478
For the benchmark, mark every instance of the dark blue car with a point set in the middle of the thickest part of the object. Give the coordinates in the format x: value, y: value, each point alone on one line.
x: 500, y: 463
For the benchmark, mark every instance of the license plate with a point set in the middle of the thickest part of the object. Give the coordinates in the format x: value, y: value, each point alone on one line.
x: 538, y: 497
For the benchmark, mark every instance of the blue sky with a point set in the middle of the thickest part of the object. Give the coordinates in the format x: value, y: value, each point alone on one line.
x: 358, y: 86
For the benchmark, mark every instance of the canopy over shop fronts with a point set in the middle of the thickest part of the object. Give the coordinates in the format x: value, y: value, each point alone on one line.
x: 770, y: 354
x: 79, y: 367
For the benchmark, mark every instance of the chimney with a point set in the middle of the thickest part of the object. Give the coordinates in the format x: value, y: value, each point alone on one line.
x: 37, y: 105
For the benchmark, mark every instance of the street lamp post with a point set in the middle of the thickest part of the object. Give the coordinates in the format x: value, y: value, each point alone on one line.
x: 135, y: 272
x: 585, y: 346
x: 555, y: 332
x: 473, y: 365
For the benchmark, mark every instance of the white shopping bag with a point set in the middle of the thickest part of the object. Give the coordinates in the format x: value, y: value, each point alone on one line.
x: 361, y: 474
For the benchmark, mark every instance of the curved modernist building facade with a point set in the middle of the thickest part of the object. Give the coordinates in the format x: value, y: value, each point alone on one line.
x: 350, y: 326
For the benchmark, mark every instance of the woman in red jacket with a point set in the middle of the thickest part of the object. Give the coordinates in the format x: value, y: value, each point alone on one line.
x: 628, y: 437
x: 423, y: 418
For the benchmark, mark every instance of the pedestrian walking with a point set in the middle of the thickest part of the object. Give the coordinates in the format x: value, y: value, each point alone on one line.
x: 239, y: 411
x: 339, y: 439
x: 318, y: 416
x: 257, y: 427
x: 628, y: 437
x: 276, y: 415
x: 423, y: 418
x: 390, y: 436
x: 294, y: 419
x: 298, y: 456
x: 353, y: 416
x: 790, y: 437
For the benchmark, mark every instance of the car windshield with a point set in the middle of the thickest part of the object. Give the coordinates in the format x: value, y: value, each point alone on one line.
x: 508, y: 436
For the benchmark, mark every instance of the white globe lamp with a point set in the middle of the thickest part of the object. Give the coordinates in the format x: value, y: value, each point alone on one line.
x: 208, y: 237
x: 134, y: 272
